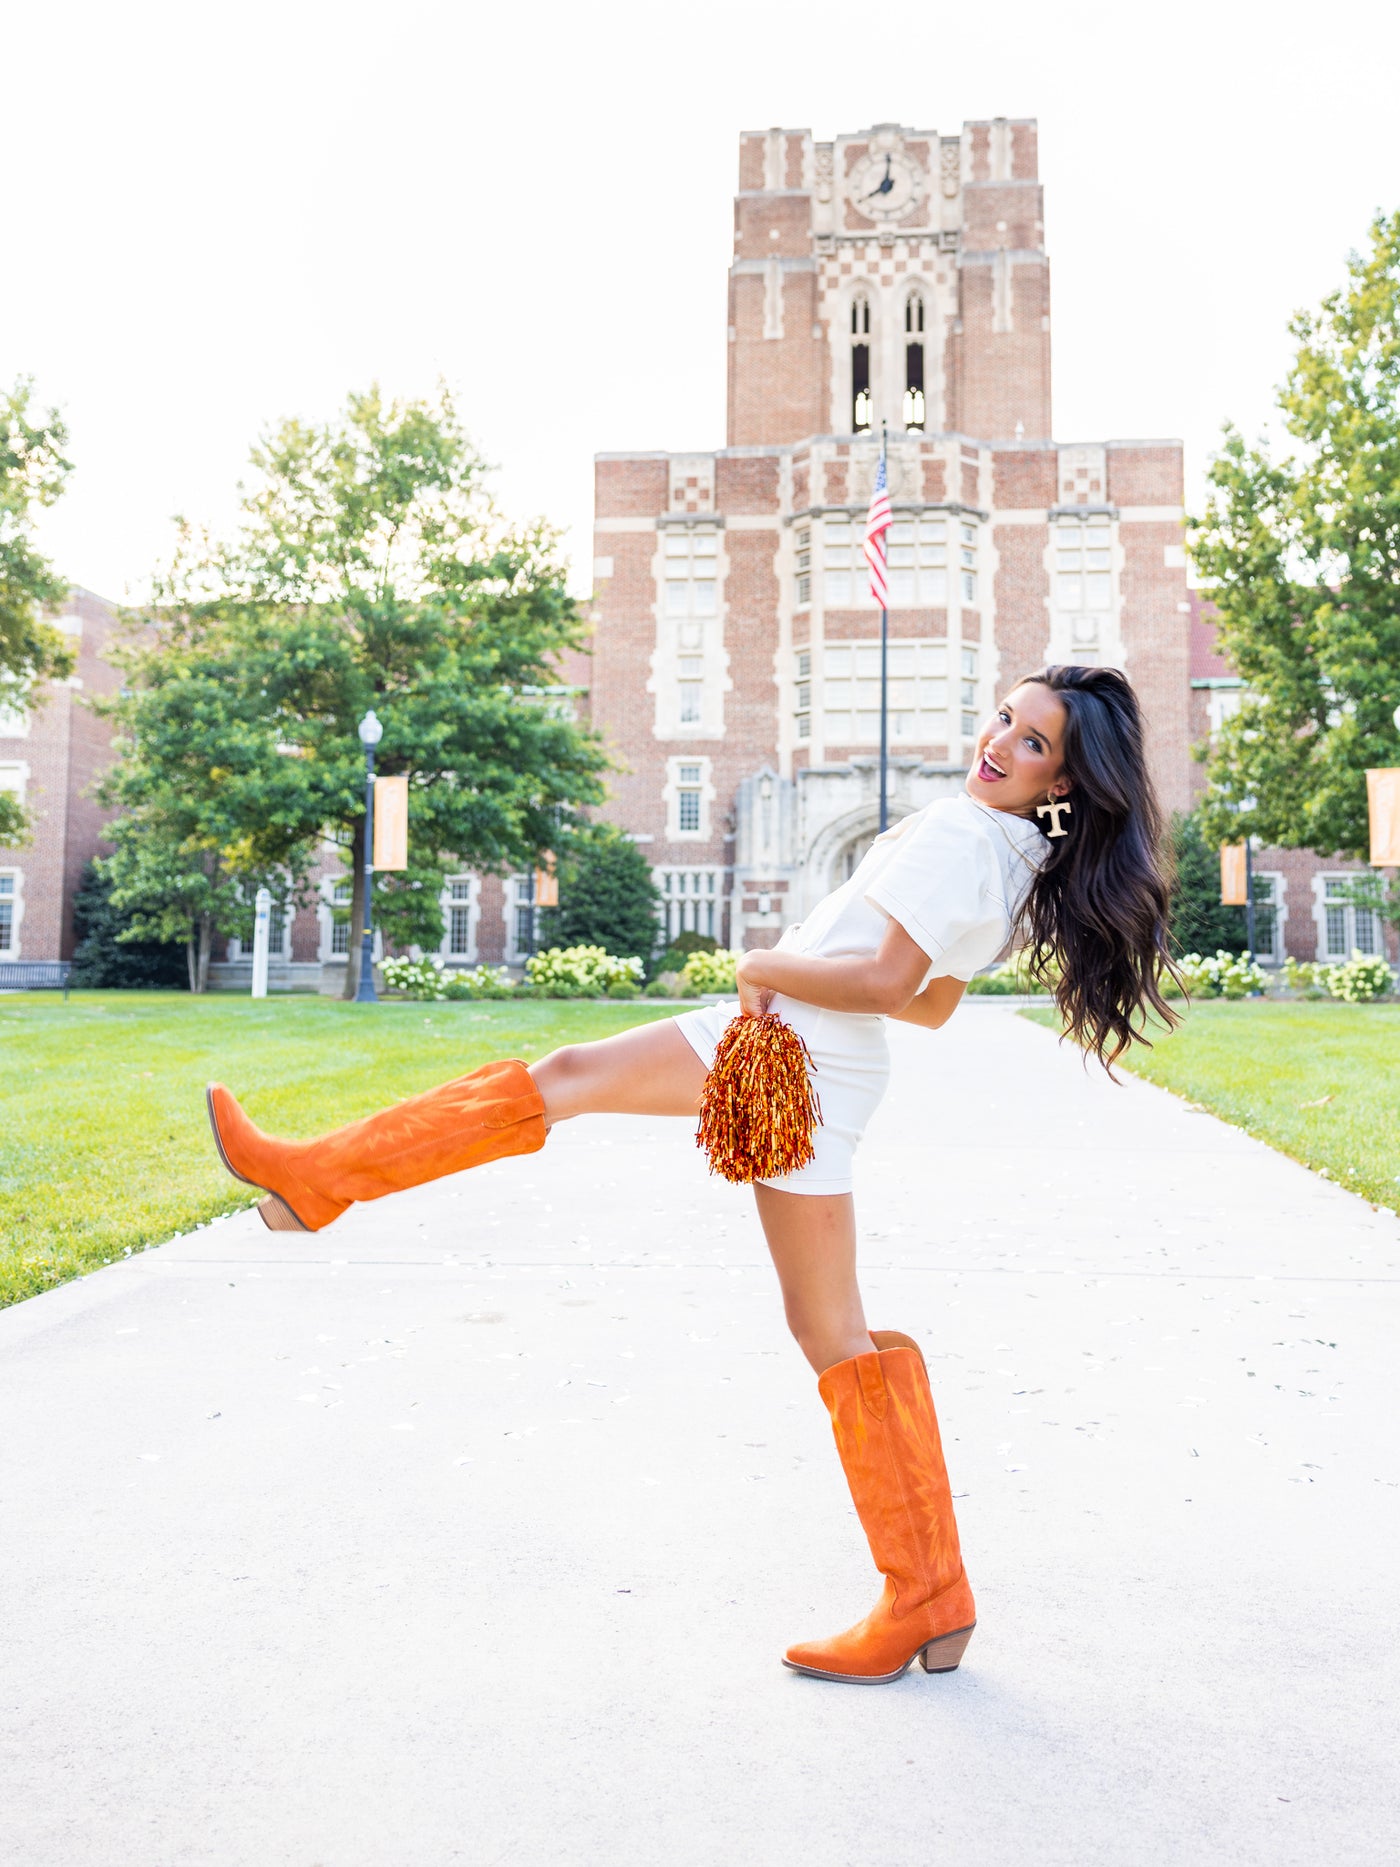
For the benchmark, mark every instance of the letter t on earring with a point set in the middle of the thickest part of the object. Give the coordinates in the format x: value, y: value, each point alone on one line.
x: 1053, y: 810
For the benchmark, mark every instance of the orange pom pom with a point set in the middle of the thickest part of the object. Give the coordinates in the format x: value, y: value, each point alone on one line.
x: 759, y: 1108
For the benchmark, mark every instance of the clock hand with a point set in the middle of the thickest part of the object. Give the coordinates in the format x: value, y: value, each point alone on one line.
x: 885, y: 185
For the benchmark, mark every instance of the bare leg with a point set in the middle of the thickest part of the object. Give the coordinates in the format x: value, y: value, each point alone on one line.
x: 651, y: 1070
x: 812, y: 1240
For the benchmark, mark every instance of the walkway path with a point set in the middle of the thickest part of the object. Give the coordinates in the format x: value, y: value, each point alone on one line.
x: 472, y: 1531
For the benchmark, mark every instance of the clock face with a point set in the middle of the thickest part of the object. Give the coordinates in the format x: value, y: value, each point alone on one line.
x: 884, y: 185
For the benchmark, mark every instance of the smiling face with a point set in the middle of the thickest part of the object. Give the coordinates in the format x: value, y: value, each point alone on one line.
x: 1020, y: 752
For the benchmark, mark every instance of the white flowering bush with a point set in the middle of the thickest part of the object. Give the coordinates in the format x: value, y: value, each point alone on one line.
x: 1223, y: 975
x: 1364, y: 977
x: 415, y: 978
x: 479, y: 982
x: 1308, y: 976
x: 429, y: 978
x: 580, y: 972
x: 709, y: 972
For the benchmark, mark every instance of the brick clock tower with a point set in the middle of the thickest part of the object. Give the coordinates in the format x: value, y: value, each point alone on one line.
x: 894, y: 279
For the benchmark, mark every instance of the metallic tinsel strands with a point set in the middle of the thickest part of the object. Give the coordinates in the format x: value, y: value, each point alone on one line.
x: 759, y: 1108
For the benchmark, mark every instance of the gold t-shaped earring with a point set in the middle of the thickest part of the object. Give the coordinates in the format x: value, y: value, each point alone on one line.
x: 1053, y: 809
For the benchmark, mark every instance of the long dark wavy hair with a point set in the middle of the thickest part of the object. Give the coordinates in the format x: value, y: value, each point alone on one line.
x: 1095, y: 920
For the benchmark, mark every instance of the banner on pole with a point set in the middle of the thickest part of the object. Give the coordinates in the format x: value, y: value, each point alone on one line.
x: 1383, y: 798
x: 1234, y: 876
x: 391, y: 823
x: 547, y: 883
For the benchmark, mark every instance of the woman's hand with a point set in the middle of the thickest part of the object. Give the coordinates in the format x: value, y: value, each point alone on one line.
x: 754, y: 998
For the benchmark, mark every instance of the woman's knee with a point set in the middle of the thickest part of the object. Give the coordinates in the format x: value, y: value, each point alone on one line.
x: 559, y: 1077
x: 826, y: 1339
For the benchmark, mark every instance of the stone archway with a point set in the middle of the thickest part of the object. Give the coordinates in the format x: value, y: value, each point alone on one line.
x: 839, y: 846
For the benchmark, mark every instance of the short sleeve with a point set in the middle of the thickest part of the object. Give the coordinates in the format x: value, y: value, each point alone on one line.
x: 940, y: 883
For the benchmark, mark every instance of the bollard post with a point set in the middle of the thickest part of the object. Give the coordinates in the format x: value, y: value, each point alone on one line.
x: 262, y: 920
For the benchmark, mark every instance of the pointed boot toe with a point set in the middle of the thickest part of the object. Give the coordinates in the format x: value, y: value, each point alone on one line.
x: 261, y: 1160
x: 886, y: 1431
x: 488, y: 1115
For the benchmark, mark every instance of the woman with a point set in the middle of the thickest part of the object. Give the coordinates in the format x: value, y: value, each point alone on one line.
x: 937, y: 898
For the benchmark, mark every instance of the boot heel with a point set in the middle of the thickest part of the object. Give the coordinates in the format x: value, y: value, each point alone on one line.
x: 278, y: 1216
x: 944, y: 1655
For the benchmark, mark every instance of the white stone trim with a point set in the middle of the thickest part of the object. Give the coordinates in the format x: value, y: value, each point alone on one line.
x: 670, y: 797
x: 1275, y: 955
x: 14, y: 777
x: 692, y: 898
x: 13, y: 950
x: 663, y: 681
x: 1321, y: 905
x: 472, y: 903
x: 325, y: 919
x: 1106, y: 651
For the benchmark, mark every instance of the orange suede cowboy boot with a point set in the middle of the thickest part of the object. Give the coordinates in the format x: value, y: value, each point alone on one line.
x: 887, y: 1437
x: 494, y: 1111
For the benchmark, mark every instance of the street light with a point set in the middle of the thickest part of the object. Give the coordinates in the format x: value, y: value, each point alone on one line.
x: 371, y: 732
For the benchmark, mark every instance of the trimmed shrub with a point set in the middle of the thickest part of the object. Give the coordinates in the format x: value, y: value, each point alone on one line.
x: 1363, y: 978
x: 709, y: 972
x: 1306, y: 976
x: 103, y: 959
x: 681, y: 948
x: 607, y: 898
x: 580, y: 972
x: 1225, y: 975
x: 430, y: 979
x: 1200, y: 923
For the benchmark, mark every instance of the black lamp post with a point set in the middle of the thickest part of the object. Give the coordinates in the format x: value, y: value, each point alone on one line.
x: 371, y: 732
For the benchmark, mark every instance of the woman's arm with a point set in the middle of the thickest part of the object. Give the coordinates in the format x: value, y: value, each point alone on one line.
x: 886, y: 984
x: 934, y: 1005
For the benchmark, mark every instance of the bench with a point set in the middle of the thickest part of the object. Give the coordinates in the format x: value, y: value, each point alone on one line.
x: 35, y: 975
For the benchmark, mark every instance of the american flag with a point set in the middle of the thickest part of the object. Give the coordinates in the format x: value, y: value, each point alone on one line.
x: 876, y: 526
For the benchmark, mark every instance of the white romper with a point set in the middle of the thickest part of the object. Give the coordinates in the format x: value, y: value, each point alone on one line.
x: 955, y: 876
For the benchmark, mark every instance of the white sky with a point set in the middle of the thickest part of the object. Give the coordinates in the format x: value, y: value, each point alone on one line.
x: 221, y: 215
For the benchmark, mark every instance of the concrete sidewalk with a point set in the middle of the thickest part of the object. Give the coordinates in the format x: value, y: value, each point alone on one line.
x: 473, y: 1529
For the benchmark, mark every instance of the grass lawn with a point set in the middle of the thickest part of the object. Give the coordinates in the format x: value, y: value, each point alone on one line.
x: 1319, y: 1081
x: 104, y: 1145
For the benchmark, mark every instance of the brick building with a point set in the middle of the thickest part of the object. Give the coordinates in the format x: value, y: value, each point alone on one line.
x: 891, y: 281
x: 896, y: 282
x: 50, y: 757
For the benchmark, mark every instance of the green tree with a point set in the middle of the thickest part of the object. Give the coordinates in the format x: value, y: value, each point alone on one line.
x: 32, y: 471
x: 1302, y: 556
x: 370, y: 571
x: 1200, y: 923
x: 110, y: 952
x: 606, y: 895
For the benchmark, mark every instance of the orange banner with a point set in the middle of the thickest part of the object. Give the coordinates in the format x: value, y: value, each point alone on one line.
x: 547, y: 883
x: 1234, y: 876
x: 391, y: 823
x: 1383, y: 797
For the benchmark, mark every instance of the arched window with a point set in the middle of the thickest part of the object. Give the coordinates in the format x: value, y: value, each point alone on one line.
x: 862, y: 409
x: 914, y: 403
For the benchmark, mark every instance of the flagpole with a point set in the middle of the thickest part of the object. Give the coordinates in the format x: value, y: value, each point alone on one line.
x: 884, y: 683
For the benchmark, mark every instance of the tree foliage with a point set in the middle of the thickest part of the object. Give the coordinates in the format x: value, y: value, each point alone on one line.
x: 1302, y: 556
x: 1200, y: 922
x: 606, y: 896
x: 109, y: 952
x: 370, y: 571
x: 32, y: 471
